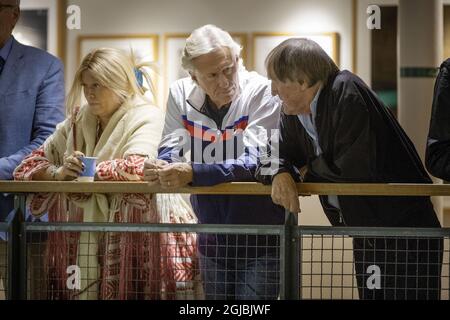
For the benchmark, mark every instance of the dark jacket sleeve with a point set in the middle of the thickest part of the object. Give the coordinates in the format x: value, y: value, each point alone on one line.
x: 283, y: 151
x: 437, y: 156
x: 353, y: 154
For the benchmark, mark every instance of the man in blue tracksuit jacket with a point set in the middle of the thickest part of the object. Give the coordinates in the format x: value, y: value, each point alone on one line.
x: 219, y: 115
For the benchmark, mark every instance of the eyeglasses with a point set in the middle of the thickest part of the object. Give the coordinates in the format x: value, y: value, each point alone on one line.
x: 4, y: 6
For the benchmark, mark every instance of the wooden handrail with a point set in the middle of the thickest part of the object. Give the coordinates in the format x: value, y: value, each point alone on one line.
x: 242, y: 188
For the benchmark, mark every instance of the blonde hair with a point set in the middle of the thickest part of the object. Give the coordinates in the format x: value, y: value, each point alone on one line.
x: 114, y: 69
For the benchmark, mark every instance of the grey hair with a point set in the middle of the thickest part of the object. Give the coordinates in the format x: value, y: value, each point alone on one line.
x: 205, y: 40
x: 300, y: 60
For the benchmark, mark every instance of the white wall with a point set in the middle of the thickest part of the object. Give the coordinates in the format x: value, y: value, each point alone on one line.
x: 364, y: 57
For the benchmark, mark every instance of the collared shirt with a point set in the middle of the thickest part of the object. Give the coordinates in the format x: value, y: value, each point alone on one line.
x: 217, y: 114
x: 309, y: 123
x: 197, y: 98
x: 6, y: 50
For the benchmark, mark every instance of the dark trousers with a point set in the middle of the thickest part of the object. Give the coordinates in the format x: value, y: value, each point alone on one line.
x: 240, y: 278
x: 409, y: 269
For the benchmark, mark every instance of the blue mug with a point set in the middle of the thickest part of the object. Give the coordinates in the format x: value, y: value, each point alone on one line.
x: 88, y: 174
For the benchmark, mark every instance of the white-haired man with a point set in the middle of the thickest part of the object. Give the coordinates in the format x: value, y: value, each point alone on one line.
x: 216, y: 114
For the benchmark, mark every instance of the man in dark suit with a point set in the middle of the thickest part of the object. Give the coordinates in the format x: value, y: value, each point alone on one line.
x: 335, y: 129
x: 31, y: 97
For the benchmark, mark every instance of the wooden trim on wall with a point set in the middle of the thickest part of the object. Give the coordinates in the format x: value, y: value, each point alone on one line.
x: 150, y: 36
x: 62, y: 30
x: 153, y: 36
x: 335, y: 36
x: 336, y: 47
x: 446, y: 217
x: 166, y: 38
x: 244, y: 43
x: 355, y: 36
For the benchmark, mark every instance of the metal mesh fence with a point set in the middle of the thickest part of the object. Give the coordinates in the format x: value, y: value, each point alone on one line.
x: 149, y: 262
x: 243, y: 267
x: 228, y: 262
x: 3, y: 268
x: 351, y: 263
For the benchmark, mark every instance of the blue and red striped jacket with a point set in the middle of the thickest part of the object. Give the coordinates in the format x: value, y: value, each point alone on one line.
x: 223, y: 154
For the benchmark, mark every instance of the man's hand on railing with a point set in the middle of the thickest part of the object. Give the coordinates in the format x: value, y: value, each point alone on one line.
x: 175, y: 175
x: 168, y: 175
x: 284, y: 192
x: 151, y: 167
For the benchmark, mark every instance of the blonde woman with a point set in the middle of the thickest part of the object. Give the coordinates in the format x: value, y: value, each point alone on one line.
x: 120, y: 127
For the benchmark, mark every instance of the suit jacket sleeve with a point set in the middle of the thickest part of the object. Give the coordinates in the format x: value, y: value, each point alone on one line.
x: 284, y: 154
x: 49, y: 111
